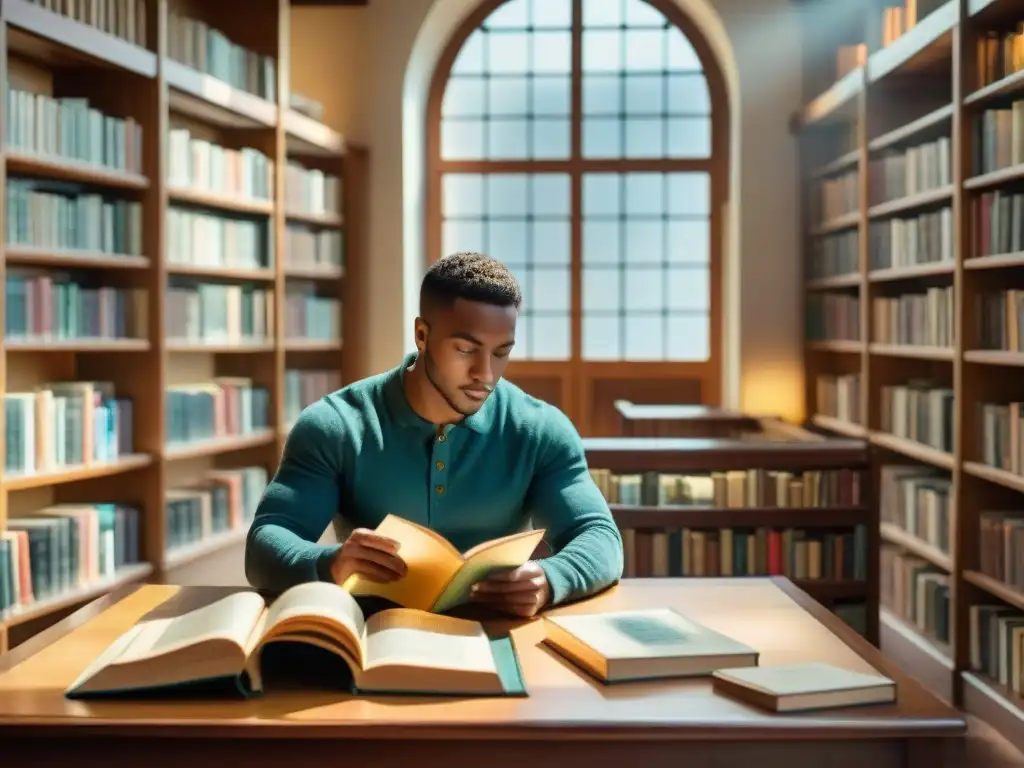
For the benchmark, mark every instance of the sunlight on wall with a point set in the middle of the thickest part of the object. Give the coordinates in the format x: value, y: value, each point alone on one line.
x: 774, y: 389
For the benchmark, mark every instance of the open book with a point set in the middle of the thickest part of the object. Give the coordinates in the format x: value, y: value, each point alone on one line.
x: 439, y: 576
x: 395, y: 651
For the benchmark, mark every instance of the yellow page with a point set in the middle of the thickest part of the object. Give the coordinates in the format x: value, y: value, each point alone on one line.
x: 505, y: 553
x: 312, y: 600
x: 431, y: 563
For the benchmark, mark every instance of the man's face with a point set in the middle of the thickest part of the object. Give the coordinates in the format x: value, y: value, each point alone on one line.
x: 466, y: 351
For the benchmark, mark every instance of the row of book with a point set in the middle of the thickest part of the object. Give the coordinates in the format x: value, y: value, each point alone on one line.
x: 833, y: 317
x: 67, y: 423
x: 200, y: 165
x: 54, y: 305
x: 1001, y: 440
x: 919, y: 411
x: 900, y: 18
x: 64, y: 547
x: 1000, y: 545
x: 736, y: 489
x: 838, y: 396
x: 224, y: 500
x: 998, y: 140
x: 994, y: 633
x: 835, y: 254
x: 916, y: 591
x: 922, y: 318
x: 1000, y: 54
x: 908, y: 171
x: 314, y: 249
x: 905, y: 241
x: 201, y: 239
x: 1001, y: 320
x: 308, y: 316
x: 214, y: 313
x: 212, y: 410
x: 998, y: 223
x: 800, y: 554
x: 302, y: 387
x: 917, y: 500
x: 58, y: 216
x: 837, y: 197
x: 308, y: 190
x: 124, y: 19
x: 71, y: 129
x: 202, y: 47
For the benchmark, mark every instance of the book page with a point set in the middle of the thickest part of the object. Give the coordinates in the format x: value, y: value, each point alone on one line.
x: 418, y: 639
x: 510, y: 552
x: 431, y: 561
x: 230, y: 618
x: 315, y: 602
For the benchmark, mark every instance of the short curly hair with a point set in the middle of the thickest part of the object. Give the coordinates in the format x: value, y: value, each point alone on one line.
x: 469, y: 276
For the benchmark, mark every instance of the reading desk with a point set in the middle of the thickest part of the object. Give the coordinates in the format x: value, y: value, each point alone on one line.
x: 567, y: 718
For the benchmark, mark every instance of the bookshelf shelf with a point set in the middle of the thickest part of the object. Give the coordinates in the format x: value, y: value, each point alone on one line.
x: 58, y: 40
x: 834, y: 104
x: 841, y: 163
x: 913, y: 272
x: 64, y: 169
x: 76, y: 474
x: 44, y: 257
x: 847, y: 221
x: 152, y: 364
x: 838, y: 281
x: 839, y: 426
x: 837, y: 346
x: 924, y: 47
x: 943, y: 258
x: 125, y: 575
x: 911, y: 202
x: 740, y: 517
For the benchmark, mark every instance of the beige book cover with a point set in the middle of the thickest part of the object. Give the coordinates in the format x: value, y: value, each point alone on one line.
x: 619, y: 646
x: 807, y: 686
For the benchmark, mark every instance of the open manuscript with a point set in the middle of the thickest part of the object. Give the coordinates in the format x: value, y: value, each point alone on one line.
x: 395, y: 651
x: 439, y: 576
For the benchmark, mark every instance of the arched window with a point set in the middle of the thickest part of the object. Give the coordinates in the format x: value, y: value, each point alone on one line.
x: 583, y: 143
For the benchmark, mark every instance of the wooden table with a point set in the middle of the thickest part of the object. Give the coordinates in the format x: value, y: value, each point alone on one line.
x: 567, y: 718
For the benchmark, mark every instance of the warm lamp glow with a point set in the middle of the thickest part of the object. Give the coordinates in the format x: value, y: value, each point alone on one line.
x: 773, y: 388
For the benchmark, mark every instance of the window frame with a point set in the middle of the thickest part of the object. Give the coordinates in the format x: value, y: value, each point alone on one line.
x: 578, y: 374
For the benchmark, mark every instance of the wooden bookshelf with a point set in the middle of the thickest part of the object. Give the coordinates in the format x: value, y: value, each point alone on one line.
x: 925, y: 281
x: 203, y: 270
x: 801, y: 507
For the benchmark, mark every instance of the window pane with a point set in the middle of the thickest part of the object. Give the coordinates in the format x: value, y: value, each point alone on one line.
x: 645, y: 290
x: 550, y: 291
x: 551, y: 13
x: 645, y: 95
x: 645, y: 337
x: 514, y: 14
x: 551, y: 95
x: 506, y: 139
x: 463, y: 194
x: 681, y: 56
x: 645, y: 50
x: 550, y: 337
x: 507, y: 241
x: 602, y: 290
x: 550, y: 194
x: 645, y: 137
x: 507, y: 96
x: 550, y: 139
x: 640, y: 287
x: 689, y: 137
x: 602, y: 95
x: 602, y: 138
x: 601, y: 339
x: 551, y: 244
x: 603, y: 14
x: 688, y: 95
x: 689, y: 289
x: 602, y: 50
x: 508, y: 52
x: 463, y: 236
x: 464, y: 96
x: 690, y: 241
x: 689, y: 338
x: 462, y: 139
x: 507, y: 194
x: 470, y: 60
x: 640, y: 14
x: 552, y: 53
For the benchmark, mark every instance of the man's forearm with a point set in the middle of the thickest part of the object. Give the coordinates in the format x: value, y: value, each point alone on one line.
x: 277, y: 558
x: 591, y: 561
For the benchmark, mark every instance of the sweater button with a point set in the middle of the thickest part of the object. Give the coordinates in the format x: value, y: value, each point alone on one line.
x: 439, y: 489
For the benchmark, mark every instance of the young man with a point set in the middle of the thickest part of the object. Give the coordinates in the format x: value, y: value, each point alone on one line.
x: 443, y: 441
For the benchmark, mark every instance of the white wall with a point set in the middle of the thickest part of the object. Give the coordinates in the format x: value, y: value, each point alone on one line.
x: 371, y: 67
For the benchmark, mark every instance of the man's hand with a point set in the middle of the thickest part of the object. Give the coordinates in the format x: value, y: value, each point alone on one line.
x: 522, y: 591
x: 370, y: 555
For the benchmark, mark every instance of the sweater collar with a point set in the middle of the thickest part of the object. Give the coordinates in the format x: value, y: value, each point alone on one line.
x: 398, y: 404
